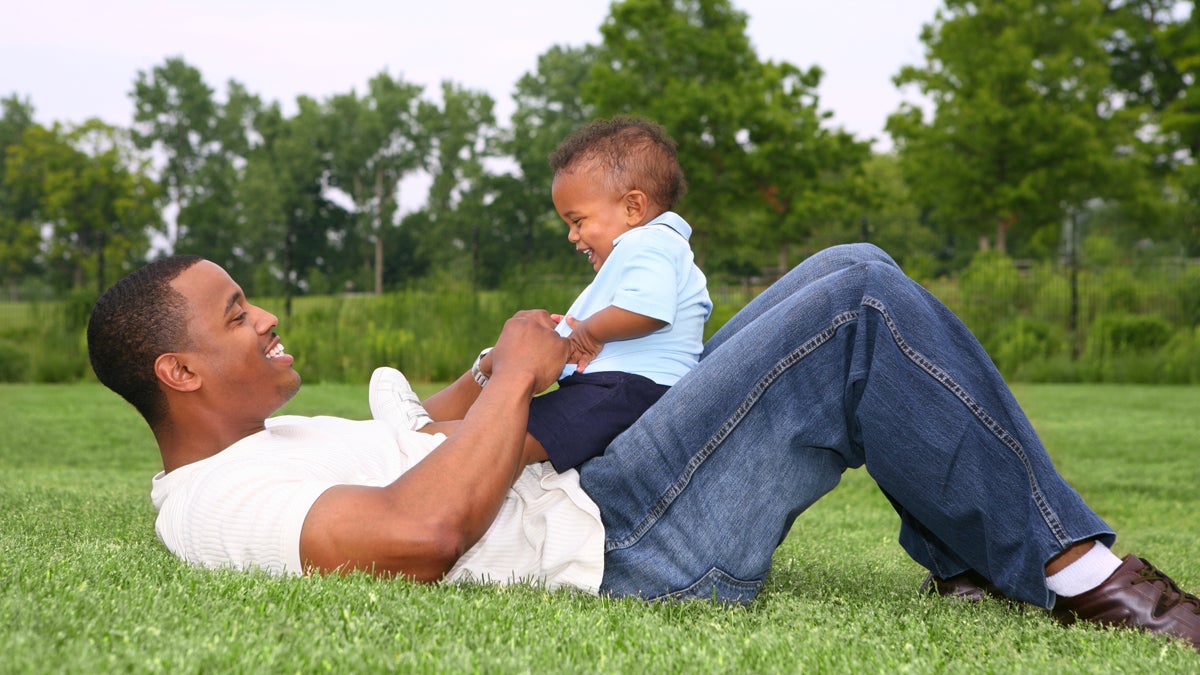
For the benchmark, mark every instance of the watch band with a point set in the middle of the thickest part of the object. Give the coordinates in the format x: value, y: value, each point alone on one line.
x: 476, y: 373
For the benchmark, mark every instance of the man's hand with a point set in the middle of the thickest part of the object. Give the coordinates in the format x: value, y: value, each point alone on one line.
x: 528, y: 343
x: 420, y: 524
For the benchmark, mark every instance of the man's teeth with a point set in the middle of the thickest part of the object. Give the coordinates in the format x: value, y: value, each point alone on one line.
x: 276, y: 351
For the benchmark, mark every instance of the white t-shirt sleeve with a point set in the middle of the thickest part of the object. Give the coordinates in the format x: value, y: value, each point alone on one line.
x: 246, y: 516
x: 245, y: 506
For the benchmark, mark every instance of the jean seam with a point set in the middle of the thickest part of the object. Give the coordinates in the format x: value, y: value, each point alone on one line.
x: 977, y: 410
x: 716, y: 576
x: 681, y: 482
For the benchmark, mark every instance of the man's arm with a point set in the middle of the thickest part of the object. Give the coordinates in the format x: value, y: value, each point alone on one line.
x: 454, y: 401
x: 609, y: 324
x: 419, y: 525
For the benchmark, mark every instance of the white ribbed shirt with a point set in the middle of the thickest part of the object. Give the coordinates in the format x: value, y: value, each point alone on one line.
x: 244, y: 507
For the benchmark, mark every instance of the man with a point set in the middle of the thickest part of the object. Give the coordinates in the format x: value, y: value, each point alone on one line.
x: 844, y: 362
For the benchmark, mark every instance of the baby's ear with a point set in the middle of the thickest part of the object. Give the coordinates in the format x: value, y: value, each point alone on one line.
x: 636, y: 205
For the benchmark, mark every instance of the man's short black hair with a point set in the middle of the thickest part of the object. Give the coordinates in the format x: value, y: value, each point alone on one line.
x: 134, y: 322
x: 634, y: 154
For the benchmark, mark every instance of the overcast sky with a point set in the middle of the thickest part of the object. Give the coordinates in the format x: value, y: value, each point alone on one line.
x: 76, y: 59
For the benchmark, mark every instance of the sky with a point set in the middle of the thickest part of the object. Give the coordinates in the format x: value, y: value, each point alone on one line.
x: 76, y: 59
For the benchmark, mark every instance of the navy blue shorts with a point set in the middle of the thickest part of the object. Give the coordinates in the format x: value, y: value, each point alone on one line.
x: 577, y: 421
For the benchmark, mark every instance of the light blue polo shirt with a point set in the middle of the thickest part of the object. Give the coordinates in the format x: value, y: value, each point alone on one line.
x: 652, y: 272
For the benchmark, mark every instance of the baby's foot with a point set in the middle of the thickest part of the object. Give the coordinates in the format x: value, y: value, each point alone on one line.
x: 393, y: 401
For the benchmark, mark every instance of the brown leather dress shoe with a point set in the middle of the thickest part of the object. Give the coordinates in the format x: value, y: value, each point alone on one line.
x: 1137, y: 595
x: 970, y: 586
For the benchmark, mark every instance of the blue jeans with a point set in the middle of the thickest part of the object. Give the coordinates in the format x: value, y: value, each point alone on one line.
x: 844, y: 362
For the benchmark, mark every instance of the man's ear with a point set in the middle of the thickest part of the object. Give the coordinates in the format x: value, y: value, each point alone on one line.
x: 635, y: 203
x: 173, y: 373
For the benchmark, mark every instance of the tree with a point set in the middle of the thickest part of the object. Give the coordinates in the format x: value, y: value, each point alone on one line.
x: 1155, y: 57
x: 893, y: 221
x: 1023, y: 128
x: 85, y: 185
x: 376, y: 142
x: 19, y: 235
x: 743, y: 127
x: 1155, y: 53
x: 175, y: 115
x: 688, y: 65
x: 286, y: 191
x: 549, y: 107
x: 808, y: 177
x: 462, y: 135
x: 203, y: 143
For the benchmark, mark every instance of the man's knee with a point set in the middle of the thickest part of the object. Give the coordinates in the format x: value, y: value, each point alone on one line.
x: 858, y: 253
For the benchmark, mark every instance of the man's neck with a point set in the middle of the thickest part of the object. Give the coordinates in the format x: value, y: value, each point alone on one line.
x: 192, y: 441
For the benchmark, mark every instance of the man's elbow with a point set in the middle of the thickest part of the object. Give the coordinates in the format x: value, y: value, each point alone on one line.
x: 436, y: 554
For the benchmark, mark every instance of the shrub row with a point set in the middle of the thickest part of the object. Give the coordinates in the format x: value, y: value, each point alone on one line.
x: 1127, y: 327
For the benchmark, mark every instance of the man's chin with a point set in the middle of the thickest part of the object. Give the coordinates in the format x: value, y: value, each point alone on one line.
x: 288, y: 390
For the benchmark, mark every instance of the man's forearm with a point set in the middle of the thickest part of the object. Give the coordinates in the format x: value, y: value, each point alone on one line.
x: 468, y: 476
x: 453, y: 402
x: 419, y: 525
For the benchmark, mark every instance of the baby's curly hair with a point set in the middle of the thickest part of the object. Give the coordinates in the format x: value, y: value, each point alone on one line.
x: 634, y: 153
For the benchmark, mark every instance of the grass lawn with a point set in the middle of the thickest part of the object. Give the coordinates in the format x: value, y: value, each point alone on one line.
x: 86, y: 587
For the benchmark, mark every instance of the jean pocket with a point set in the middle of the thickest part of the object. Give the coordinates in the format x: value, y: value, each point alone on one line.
x: 719, y: 586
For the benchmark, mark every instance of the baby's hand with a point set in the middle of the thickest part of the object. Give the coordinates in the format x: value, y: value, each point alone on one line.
x: 584, y: 347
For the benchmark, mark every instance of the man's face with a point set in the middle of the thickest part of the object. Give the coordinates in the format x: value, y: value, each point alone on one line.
x: 234, y: 349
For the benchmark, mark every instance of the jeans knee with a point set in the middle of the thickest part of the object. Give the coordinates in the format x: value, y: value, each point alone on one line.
x: 872, y: 253
x: 845, y: 255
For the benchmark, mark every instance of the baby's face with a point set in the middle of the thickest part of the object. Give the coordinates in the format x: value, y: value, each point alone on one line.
x: 594, y: 215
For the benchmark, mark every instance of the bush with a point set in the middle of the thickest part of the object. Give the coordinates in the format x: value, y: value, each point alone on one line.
x: 57, y: 367
x: 1120, y: 292
x: 991, y: 289
x: 1124, y: 348
x: 1181, y: 358
x: 1127, y: 334
x: 1189, y: 298
x: 1025, y: 341
x: 14, y: 363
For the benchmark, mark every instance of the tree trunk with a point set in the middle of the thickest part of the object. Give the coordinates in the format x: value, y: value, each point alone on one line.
x: 100, y: 264
x: 378, y: 230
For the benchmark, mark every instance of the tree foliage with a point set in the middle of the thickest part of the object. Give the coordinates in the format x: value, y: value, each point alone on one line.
x: 549, y: 107
x: 19, y: 232
x: 83, y: 186
x: 751, y: 139
x: 1023, y: 127
x: 1040, y: 112
x: 376, y: 141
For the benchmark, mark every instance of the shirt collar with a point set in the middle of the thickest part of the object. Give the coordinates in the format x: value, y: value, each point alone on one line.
x: 667, y: 218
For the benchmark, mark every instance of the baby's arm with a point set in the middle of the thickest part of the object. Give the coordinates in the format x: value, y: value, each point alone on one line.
x: 609, y: 324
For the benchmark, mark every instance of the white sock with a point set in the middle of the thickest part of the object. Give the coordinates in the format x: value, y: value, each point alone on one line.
x: 1084, y: 574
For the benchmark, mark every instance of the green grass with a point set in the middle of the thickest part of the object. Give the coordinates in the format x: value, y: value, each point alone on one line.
x: 86, y: 587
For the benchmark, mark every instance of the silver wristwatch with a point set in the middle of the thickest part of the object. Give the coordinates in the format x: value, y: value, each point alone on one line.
x: 476, y: 373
